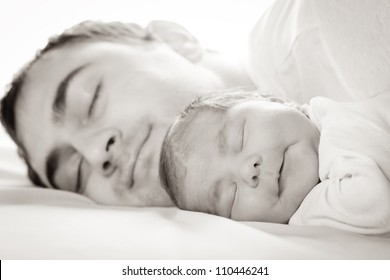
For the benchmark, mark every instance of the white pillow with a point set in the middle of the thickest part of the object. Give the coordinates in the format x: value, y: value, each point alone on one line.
x: 12, y: 168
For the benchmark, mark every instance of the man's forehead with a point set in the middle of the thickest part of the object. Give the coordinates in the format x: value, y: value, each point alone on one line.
x: 58, y: 62
x: 44, y: 78
x: 55, y: 63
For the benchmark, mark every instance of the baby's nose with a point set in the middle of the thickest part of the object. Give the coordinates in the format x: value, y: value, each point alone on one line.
x: 250, y: 171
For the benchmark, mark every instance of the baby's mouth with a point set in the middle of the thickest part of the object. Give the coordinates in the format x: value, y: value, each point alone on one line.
x: 280, y: 187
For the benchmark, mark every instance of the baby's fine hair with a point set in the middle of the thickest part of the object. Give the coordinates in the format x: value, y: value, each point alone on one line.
x: 177, y: 142
x: 87, y: 31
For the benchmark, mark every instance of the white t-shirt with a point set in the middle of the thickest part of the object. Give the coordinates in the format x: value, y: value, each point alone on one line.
x: 354, y: 167
x: 334, y: 48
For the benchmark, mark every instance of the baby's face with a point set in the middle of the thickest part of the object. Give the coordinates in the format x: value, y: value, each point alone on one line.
x: 256, y: 162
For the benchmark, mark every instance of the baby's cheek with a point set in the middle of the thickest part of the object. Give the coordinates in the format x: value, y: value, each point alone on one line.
x: 248, y: 207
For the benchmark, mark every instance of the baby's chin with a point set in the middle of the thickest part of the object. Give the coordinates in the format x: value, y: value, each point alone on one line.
x: 295, y: 190
x: 279, y: 212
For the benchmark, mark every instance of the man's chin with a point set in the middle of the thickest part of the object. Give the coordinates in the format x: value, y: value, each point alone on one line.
x: 158, y: 200
x: 147, y: 195
x: 139, y: 195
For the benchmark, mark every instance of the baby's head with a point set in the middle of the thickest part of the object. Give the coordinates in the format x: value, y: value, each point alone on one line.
x: 241, y: 155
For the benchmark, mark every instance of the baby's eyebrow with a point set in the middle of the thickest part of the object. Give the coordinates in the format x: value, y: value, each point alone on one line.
x: 221, y: 140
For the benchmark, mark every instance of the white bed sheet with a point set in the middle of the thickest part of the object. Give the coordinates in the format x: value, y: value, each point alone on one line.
x: 59, y: 225
x: 39, y: 223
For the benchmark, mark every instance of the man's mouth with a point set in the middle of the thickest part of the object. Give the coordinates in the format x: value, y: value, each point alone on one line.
x: 135, y: 156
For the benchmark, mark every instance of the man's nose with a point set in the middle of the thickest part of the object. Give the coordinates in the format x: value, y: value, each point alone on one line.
x: 250, y: 171
x: 100, y: 148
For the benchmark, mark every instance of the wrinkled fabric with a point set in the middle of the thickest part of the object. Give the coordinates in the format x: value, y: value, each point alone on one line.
x: 354, y: 167
x: 338, y: 49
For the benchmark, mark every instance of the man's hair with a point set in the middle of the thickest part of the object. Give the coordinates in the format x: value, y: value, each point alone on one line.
x: 178, y: 140
x: 87, y: 31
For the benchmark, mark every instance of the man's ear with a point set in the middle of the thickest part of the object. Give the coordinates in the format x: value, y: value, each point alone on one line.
x: 178, y: 38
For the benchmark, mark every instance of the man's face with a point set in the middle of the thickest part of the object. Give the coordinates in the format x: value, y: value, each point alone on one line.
x: 92, y: 117
x: 257, y: 162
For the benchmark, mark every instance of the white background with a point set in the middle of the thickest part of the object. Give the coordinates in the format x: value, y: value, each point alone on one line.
x: 25, y: 25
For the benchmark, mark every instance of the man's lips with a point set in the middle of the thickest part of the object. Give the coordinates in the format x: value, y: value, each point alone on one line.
x: 134, y: 158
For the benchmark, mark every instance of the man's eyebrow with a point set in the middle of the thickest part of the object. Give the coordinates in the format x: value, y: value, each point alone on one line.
x: 59, y: 105
x: 52, y: 161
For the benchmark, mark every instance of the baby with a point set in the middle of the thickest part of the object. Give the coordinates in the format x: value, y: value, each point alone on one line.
x: 260, y: 158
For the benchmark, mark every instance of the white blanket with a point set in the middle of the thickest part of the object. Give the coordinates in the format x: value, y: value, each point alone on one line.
x: 354, y: 160
x: 339, y: 49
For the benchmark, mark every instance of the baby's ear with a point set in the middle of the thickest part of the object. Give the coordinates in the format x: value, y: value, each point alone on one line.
x: 178, y: 38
